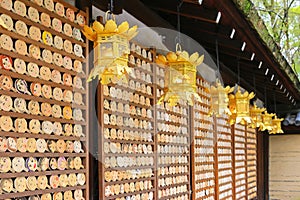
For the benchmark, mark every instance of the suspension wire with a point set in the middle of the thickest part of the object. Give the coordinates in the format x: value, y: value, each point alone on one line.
x: 111, y: 7
x: 254, y: 82
x: 217, y: 54
x: 275, y: 106
x: 266, y: 103
x: 178, y: 39
x: 238, y: 70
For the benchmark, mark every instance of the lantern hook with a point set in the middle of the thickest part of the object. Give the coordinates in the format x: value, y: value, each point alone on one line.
x: 178, y: 47
x: 109, y: 15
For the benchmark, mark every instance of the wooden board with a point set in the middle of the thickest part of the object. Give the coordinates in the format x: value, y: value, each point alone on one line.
x: 204, y: 177
x: 69, y: 137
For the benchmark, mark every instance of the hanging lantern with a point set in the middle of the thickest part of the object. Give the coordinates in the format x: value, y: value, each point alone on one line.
x: 239, y: 105
x: 276, y: 125
x: 267, y: 121
x: 256, y: 116
x: 111, y: 49
x: 180, y: 77
x: 219, y: 99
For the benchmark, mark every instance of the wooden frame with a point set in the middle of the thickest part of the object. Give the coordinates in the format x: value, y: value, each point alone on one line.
x: 219, y: 133
x: 107, y: 169
x: 239, y: 142
x: 83, y: 139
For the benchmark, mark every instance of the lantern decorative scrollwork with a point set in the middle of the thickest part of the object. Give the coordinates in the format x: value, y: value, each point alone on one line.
x: 276, y: 125
x: 180, y: 77
x: 256, y: 115
x: 111, y: 49
x: 219, y: 99
x: 239, y: 105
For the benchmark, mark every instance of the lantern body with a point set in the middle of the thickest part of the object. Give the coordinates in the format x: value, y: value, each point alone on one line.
x: 111, y: 57
x: 219, y: 99
x: 111, y: 50
x: 243, y: 107
x: 180, y: 77
x: 256, y: 116
x: 180, y: 81
x: 239, y: 105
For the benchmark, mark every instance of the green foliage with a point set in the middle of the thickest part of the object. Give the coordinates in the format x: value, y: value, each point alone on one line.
x: 282, y: 20
x: 247, y: 7
x: 295, y: 10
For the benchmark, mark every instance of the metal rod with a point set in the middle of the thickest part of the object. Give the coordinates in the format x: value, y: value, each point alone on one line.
x: 265, y: 89
x: 238, y: 70
x: 275, y: 106
x: 111, y: 6
x: 254, y: 82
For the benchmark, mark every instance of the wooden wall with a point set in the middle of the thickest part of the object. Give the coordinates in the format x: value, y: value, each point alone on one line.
x: 284, y: 167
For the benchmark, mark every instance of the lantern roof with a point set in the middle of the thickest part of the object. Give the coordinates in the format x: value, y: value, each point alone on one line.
x: 255, y: 109
x: 109, y: 28
x: 266, y: 114
x: 246, y: 94
x: 172, y: 57
x: 219, y: 87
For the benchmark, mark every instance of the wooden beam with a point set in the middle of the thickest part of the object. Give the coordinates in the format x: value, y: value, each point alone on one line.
x: 204, y: 3
x: 138, y: 10
x: 203, y: 26
x: 253, y: 39
x: 243, y: 33
x: 250, y: 69
x: 261, y: 81
x: 187, y: 10
x: 225, y: 50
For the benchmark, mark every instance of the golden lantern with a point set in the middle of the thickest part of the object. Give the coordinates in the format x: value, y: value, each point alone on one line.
x: 180, y: 77
x: 267, y: 121
x: 232, y: 109
x: 219, y: 99
x: 256, y: 115
x: 111, y: 49
x: 239, y: 105
x: 276, y: 123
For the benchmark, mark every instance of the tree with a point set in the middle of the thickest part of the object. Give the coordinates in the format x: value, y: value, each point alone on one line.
x: 282, y: 20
